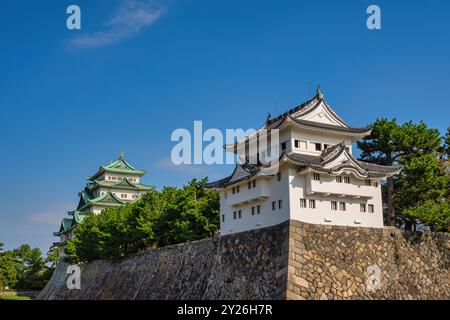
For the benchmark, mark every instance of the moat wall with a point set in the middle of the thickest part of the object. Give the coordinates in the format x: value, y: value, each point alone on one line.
x: 290, y: 261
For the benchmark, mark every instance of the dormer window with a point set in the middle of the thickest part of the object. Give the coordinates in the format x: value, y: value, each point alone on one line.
x: 318, y: 146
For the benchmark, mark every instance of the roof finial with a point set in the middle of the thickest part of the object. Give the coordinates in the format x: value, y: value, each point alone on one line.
x: 121, y: 155
x: 319, y: 93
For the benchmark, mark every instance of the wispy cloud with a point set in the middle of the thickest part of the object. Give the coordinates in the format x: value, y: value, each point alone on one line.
x: 167, y: 164
x: 129, y: 19
x: 51, y: 216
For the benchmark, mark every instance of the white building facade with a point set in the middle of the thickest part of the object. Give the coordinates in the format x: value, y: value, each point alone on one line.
x: 318, y: 179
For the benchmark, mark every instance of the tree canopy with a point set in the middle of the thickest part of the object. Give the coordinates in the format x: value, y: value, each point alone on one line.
x: 423, y: 185
x: 159, y: 218
x: 24, y: 268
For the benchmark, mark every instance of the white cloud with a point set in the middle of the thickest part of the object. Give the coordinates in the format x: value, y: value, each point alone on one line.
x: 51, y: 216
x: 130, y: 18
x: 186, y: 168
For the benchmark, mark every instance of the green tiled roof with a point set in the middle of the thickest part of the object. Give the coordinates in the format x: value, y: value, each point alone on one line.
x: 66, y: 223
x: 118, y: 166
x: 123, y: 184
x: 106, y: 200
x: 85, y: 197
x: 78, y: 217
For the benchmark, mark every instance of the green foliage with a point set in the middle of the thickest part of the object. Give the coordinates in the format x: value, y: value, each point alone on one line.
x: 425, y: 174
x: 434, y: 214
x: 23, y: 268
x: 170, y: 216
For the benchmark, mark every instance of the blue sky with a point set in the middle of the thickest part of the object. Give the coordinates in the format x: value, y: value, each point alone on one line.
x: 137, y: 70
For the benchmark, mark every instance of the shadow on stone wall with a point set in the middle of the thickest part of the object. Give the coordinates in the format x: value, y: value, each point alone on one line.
x: 292, y: 260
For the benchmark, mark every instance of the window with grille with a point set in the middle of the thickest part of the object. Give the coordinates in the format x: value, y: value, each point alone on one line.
x: 312, y: 204
x: 362, y: 207
x: 333, y: 205
x: 342, y: 206
x: 316, y: 176
x: 302, y: 203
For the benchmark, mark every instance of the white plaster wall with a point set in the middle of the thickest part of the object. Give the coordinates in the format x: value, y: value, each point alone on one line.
x: 118, y: 193
x: 312, y: 137
x: 108, y: 176
x: 279, y: 190
x: 323, y: 214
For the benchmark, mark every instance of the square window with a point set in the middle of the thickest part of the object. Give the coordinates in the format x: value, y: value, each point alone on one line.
x: 368, y: 183
x: 371, y: 208
x: 342, y: 206
x: 297, y: 143
x: 316, y: 177
x: 347, y: 179
x: 312, y: 204
x: 339, y: 179
x: 362, y: 207
x: 318, y: 146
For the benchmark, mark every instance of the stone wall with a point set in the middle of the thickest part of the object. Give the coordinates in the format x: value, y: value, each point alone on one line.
x: 292, y: 260
x: 331, y: 262
x: 240, y: 266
